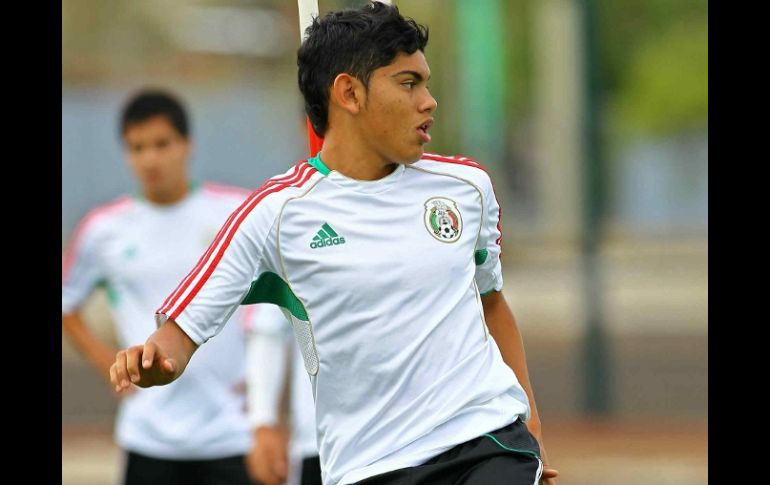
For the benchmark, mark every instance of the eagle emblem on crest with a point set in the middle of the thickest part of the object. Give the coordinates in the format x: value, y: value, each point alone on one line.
x: 443, y: 220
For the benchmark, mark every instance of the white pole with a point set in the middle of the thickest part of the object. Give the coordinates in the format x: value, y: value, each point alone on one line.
x: 308, y: 9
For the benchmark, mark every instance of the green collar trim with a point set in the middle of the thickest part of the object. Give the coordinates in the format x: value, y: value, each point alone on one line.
x: 318, y: 164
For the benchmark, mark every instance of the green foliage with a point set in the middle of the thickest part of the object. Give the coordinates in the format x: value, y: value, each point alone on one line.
x: 666, y: 87
x: 654, y: 64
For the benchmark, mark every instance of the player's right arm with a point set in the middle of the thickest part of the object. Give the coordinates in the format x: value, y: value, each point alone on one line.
x: 204, y: 300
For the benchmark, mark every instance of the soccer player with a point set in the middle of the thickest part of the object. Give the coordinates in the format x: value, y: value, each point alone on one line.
x: 194, y: 431
x: 277, y: 458
x: 386, y: 259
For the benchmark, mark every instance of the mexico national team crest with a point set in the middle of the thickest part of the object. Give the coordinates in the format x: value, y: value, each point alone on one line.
x: 443, y: 220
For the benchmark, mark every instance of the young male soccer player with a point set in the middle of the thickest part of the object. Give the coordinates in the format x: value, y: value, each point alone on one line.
x: 194, y: 431
x: 387, y: 261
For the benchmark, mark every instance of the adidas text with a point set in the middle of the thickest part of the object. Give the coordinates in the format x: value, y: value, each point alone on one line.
x: 331, y: 241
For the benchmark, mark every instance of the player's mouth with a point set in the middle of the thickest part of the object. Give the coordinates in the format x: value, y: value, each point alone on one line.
x: 423, y: 130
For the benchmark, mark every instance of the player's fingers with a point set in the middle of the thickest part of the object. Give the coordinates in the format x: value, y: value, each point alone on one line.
x: 120, y: 369
x: 280, y: 471
x: 275, y: 479
x: 281, y: 465
x: 132, y: 363
x: 148, y: 354
x: 268, y: 472
x: 169, y: 366
x: 129, y: 391
x: 265, y: 472
x: 253, y: 465
x: 114, y: 377
x: 549, y: 472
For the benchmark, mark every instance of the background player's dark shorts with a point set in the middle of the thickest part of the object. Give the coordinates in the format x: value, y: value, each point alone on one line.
x: 145, y: 470
x: 311, y: 471
x: 508, y: 456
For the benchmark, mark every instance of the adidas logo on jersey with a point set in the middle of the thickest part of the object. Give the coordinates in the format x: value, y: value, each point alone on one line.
x: 326, y: 237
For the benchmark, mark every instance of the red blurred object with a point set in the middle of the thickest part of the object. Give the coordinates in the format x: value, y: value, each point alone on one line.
x: 315, y: 142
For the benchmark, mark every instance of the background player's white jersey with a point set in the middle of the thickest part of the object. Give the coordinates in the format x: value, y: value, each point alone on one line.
x: 382, y: 281
x: 140, y: 251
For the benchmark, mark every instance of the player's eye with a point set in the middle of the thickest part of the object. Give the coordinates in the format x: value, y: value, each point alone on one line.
x: 409, y: 84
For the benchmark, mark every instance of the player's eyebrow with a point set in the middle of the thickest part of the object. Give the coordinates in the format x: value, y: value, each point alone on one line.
x: 416, y: 74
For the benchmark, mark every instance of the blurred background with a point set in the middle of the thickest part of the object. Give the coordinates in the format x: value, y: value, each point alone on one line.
x: 592, y: 116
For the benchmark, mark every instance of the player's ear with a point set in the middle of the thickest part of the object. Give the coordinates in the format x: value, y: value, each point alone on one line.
x: 348, y: 93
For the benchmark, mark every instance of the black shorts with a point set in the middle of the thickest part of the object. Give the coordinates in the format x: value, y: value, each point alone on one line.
x: 145, y: 470
x: 311, y: 471
x: 508, y: 456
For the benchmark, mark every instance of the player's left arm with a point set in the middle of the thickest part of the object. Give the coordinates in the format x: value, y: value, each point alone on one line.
x: 502, y: 326
x: 499, y: 318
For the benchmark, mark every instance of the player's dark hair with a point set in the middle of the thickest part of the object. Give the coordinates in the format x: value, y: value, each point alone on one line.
x: 149, y: 103
x: 352, y: 41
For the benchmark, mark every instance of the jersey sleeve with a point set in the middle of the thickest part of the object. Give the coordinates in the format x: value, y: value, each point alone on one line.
x: 81, y: 267
x: 489, y: 275
x: 206, y: 298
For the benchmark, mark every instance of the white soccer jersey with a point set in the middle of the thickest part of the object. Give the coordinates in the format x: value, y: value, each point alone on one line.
x: 140, y: 251
x: 382, y: 281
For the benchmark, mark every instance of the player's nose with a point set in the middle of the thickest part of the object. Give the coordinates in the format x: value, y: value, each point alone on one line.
x: 429, y: 104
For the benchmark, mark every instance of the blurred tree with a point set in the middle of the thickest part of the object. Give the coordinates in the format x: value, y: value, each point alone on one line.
x: 655, y: 64
x: 666, y: 89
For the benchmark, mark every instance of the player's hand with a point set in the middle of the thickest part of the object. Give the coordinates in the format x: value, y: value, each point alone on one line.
x: 268, y: 460
x: 120, y: 395
x: 549, y: 475
x: 144, y: 365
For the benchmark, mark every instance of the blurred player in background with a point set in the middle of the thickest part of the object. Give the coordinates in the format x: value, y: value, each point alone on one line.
x: 387, y: 260
x: 194, y: 431
x: 273, y: 357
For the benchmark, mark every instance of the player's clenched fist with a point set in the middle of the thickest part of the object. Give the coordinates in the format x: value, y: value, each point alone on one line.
x: 142, y: 365
x: 159, y: 361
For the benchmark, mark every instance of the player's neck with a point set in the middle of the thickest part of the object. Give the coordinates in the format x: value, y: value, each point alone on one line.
x: 354, y: 159
x: 168, y: 197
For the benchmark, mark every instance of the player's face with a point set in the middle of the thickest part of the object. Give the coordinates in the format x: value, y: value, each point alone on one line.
x: 158, y: 153
x: 399, y: 108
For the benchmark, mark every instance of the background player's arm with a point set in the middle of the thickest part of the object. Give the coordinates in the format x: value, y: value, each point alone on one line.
x: 502, y: 326
x: 82, y: 271
x: 99, y: 354
x: 267, y: 374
